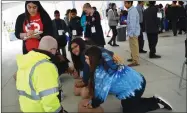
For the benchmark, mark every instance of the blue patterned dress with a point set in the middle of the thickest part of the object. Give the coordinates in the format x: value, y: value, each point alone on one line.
x: 119, y: 80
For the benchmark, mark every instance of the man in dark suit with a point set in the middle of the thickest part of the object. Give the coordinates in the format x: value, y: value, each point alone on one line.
x: 152, y: 28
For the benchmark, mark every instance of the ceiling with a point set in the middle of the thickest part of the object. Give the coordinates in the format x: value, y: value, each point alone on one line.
x: 10, y: 4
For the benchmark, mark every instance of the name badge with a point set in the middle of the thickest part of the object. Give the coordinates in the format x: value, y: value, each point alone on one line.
x: 81, y: 74
x: 60, y: 32
x: 74, y: 32
x: 93, y: 29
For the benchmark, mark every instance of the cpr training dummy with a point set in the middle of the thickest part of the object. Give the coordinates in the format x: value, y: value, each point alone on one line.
x: 107, y: 76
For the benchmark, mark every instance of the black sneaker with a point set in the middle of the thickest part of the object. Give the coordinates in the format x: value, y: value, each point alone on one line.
x: 110, y: 43
x: 154, y: 56
x: 129, y: 60
x: 180, y: 33
x: 142, y: 51
x: 163, y: 102
x: 115, y: 45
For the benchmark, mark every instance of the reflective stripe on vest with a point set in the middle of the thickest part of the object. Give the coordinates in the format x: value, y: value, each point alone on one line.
x: 33, y: 95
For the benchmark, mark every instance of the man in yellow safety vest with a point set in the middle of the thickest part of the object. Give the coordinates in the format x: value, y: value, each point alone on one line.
x: 37, y: 79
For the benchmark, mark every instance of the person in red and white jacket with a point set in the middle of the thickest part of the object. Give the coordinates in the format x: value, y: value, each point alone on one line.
x: 34, y: 20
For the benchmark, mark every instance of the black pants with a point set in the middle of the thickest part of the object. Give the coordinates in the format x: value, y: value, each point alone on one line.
x: 108, y: 31
x: 140, y: 38
x: 114, y: 31
x: 138, y: 104
x: 174, y: 26
x: 182, y: 24
x: 152, y: 40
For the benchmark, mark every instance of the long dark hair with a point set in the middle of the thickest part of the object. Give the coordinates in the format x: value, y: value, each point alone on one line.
x: 95, y: 56
x: 112, y: 5
x: 77, y: 59
x: 41, y: 10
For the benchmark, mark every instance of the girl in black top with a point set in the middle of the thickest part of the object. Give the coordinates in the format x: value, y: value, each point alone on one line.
x: 97, y: 35
x: 31, y: 9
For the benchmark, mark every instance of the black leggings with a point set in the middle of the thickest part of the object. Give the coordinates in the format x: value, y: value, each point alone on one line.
x: 138, y: 104
x: 114, y: 31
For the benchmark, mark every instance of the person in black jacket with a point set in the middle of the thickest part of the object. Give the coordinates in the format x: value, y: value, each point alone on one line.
x: 59, y: 30
x: 75, y: 25
x: 174, y: 13
x: 97, y: 35
x: 182, y: 18
x: 32, y: 8
x: 151, y: 23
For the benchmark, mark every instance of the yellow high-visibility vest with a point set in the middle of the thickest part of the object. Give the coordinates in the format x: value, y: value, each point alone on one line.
x: 37, y: 83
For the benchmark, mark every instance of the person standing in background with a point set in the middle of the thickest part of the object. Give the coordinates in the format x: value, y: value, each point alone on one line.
x: 151, y: 28
x: 113, y: 19
x: 60, y: 28
x: 95, y: 9
x: 67, y: 16
x: 97, y: 35
x: 166, y: 18
x: 182, y: 18
x: 75, y: 25
x: 83, y: 22
x: 34, y: 20
x: 140, y: 9
x: 174, y: 11
x: 161, y: 11
x: 123, y: 17
x: 133, y: 31
x: 109, y: 7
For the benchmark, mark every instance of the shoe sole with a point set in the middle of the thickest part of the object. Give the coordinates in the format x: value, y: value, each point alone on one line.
x: 159, y: 97
x: 154, y: 57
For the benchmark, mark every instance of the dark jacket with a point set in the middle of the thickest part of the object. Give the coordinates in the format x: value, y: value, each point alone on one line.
x: 182, y: 12
x: 174, y: 12
x: 47, y: 27
x: 87, y: 33
x: 75, y: 24
x: 98, y: 36
x: 60, y: 25
x: 151, y: 21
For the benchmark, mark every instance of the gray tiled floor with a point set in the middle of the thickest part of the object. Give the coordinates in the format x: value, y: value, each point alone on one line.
x: 162, y: 76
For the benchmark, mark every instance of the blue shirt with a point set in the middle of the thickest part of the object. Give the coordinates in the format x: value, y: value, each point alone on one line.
x: 83, y: 20
x: 119, y: 80
x: 133, y: 24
